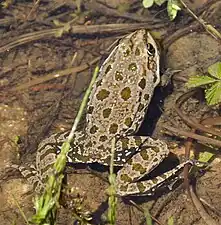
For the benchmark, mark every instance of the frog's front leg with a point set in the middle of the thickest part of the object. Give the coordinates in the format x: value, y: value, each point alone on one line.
x: 150, y: 154
x: 126, y: 187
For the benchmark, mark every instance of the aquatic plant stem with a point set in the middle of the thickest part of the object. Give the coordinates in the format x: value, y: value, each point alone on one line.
x: 46, y: 205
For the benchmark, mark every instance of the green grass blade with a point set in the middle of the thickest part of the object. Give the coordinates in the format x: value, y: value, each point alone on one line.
x: 148, y: 217
x: 46, y: 205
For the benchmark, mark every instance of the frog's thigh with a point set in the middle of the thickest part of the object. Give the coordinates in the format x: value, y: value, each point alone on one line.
x: 148, y: 186
x: 32, y: 177
x: 126, y: 147
x: 149, y: 154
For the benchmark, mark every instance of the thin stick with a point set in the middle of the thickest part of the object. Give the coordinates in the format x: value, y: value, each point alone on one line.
x: 208, y: 27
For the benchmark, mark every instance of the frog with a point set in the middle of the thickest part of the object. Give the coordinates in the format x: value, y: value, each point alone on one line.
x: 116, y: 108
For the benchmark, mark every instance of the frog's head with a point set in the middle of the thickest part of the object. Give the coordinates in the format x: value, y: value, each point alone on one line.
x: 141, y: 46
x: 153, y: 51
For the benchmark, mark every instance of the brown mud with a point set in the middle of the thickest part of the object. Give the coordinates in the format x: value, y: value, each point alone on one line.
x: 33, y: 112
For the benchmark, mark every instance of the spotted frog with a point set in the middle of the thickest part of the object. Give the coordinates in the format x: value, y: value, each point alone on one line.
x: 116, y: 109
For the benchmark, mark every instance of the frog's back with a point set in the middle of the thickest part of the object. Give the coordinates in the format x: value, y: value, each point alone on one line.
x: 117, y: 105
x: 124, y: 88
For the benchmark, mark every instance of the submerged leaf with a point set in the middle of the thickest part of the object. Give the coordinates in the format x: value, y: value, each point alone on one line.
x: 197, y: 81
x: 170, y: 221
x: 147, y: 3
x: 215, y: 70
x: 213, y: 94
x: 205, y: 156
x: 173, y: 8
x: 160, y: 2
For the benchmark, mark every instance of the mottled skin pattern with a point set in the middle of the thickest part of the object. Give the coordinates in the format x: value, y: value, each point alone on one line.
x: 116, y: 108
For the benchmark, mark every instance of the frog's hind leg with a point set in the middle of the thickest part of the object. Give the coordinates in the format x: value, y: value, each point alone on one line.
x: 37, y: 174
x: 30, y: 173
x: 150, y: 153
x: 135, y: 149
x: 147, y: 187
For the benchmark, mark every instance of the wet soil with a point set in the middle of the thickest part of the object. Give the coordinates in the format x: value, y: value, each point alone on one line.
x: 33, y: 112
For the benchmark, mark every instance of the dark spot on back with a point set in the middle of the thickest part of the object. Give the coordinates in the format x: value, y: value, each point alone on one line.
x: 113, y: 128
x: 140, y: 107
x: 118, y: 76
x: 106, y: 112
x: 125, y: 93
x: 146, y: 96
x: 127, y: 52
x: 142, y: 83
x: 93, y: 129
x: 137, y: 51
x: 132, y: 67
x: 103, y: 138
x: 102, y: 94
x: 128, y: 121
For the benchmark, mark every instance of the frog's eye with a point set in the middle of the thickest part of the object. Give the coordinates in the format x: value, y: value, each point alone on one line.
x: 150, y: 49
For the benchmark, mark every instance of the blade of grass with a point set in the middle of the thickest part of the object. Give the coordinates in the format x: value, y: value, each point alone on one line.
x: 148, y: 217
x: 20, y: 210
x: 46, y: 205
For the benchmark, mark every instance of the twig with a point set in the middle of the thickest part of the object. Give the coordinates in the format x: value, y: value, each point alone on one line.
x: 142, y: 210
x: 190, y: 27
x: 208, y: 27
x: 193, y: 135
x: 188, y: 145
x: 211, y: 207
x: 20, y: 210
x: 54, y: 75
x: 192, y: 123
x: 189, y: 121
x: 76, y: 29
x: 36, y: 3
x: 204, y: 215
x: 96, y: 6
